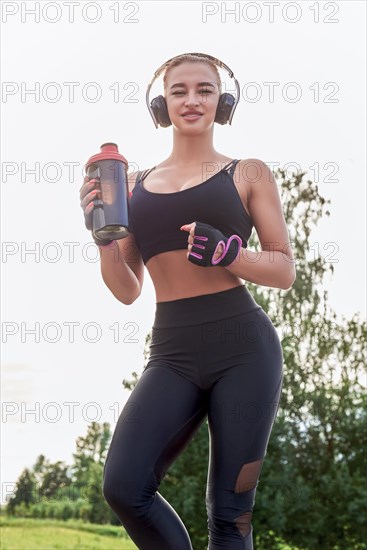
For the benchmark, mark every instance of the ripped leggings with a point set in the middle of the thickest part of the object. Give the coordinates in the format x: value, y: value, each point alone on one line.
x: 215, y: 356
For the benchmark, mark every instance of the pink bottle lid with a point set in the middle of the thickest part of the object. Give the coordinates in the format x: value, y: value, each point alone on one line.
x: 109, y: 151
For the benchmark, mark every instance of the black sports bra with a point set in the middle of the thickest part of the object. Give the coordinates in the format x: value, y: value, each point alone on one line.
x: 155, y: 218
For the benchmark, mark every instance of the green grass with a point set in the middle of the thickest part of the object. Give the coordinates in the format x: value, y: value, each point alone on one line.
x: 46, y: 534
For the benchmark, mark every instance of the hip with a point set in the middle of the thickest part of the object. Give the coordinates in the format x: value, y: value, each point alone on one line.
x: 217, y: 325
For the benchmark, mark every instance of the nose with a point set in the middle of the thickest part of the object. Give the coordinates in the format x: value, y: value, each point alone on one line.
x: 192, y: 98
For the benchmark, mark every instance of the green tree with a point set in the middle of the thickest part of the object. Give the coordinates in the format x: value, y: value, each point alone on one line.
x: 25, y: 491
x: 321, y: 423
x: 90, y: 449
x: 87, y: 471
x: 50, y: 478
x: 61, y: 491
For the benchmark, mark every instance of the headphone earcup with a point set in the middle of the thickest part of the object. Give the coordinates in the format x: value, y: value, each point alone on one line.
x: 225, y: 104
x: 159, y: 108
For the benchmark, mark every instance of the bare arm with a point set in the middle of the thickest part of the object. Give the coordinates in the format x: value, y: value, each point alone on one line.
x: 122, y: 266
x: 274, y: 265
x: 122, y: 269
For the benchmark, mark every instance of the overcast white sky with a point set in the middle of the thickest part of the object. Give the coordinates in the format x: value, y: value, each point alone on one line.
x: 89, y: 64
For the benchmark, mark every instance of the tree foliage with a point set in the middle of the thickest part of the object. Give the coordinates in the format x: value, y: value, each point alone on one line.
x: 63, y: 492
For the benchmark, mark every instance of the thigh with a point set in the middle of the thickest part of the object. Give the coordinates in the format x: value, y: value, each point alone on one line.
x: 244, y: 399
x: 242, y: 406
x: 241, y: 412
x: 159, y: 419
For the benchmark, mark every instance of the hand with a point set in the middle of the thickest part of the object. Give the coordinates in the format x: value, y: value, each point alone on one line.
x: 90, y: 197
x: 209, y: 247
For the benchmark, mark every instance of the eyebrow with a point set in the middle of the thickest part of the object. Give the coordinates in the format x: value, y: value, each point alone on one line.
x: 182, y: 85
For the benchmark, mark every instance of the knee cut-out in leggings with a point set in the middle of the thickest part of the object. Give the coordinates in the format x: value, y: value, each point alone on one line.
x: 216, y: 357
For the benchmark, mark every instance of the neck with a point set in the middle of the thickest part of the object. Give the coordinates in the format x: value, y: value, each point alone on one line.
x: 192, y: 150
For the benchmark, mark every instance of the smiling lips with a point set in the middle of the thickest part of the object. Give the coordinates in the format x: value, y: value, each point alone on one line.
x: 192, y: 115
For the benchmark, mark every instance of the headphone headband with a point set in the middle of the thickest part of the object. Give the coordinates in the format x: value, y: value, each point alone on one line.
x: 217, y: 62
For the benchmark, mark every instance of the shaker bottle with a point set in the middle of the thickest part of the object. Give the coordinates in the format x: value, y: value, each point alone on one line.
x: 111, y: 214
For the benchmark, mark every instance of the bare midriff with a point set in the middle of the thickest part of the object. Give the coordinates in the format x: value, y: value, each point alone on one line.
x: 174, y: 277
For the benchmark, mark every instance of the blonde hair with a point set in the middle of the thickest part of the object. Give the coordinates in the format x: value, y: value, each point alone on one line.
x: 191, y: 58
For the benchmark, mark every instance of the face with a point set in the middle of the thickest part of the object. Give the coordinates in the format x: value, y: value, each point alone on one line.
x: 192, y: 97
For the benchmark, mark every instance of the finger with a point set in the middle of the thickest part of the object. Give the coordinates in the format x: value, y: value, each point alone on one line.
x: 90, y: 183
x: 86, y: 180
x: 94, y: 194
x: 87, y: 186
x: 186, y: 227
x: 89, y: 207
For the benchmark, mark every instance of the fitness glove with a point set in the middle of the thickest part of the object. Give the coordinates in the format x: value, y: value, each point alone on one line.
x: 207, y: 239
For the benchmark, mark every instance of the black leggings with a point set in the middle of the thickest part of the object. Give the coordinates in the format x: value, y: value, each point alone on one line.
x: 215, y: 356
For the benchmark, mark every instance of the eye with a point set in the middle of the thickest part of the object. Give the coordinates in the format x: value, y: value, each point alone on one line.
x: 178, y: 93
x: 205, y: 91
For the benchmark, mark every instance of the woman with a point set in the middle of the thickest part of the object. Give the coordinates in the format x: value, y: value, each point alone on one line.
x: 214, y: 352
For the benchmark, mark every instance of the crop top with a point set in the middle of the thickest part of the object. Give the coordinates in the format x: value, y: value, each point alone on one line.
x: 155, y: 218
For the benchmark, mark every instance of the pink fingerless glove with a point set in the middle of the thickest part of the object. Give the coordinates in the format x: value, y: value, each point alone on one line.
x: 206, y: 242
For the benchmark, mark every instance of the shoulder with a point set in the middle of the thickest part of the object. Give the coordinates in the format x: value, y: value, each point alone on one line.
x: 132, y: 179
x: 254, y: 181
x: 133, y: 176
x: 254, y: 173
x: 254, y: 169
